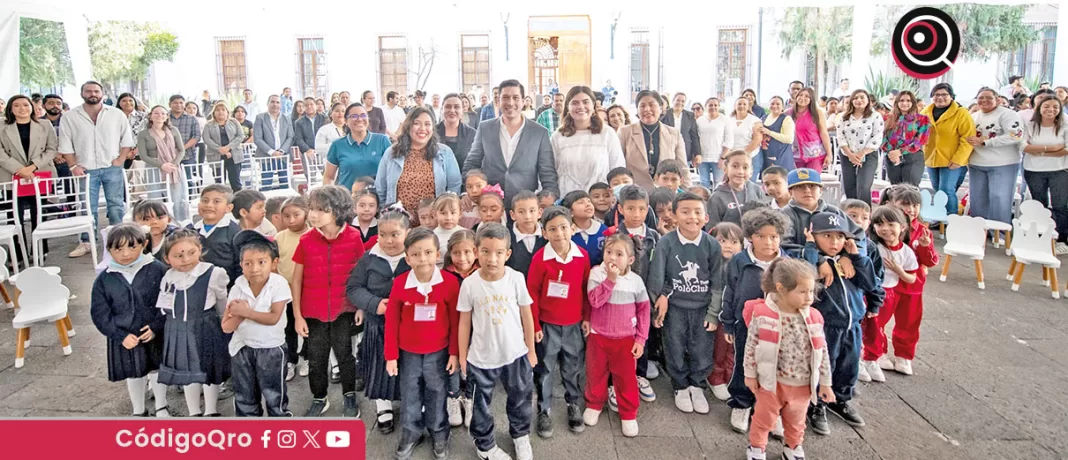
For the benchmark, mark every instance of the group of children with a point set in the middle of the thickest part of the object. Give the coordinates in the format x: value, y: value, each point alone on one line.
x: 771, y: 298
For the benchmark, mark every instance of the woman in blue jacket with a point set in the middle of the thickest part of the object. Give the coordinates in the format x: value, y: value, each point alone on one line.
x: 417, y: 166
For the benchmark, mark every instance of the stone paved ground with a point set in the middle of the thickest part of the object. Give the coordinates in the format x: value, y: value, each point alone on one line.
x: 990, y: 383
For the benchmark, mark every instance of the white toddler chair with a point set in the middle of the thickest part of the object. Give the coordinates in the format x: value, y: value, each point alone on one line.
x: 933, y: 209
x: 1027, y: 212
x: 43, y: 299
x: 1033, y: 246
x: 965, y: 237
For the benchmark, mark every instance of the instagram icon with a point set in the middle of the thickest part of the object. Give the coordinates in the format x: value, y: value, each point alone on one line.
x: 287, y: 439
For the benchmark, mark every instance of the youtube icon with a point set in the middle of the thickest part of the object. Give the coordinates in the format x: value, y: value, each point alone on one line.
x: 338, y: 439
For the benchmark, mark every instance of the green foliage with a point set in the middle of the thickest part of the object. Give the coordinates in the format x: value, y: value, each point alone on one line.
x: 825, y: 34
x: 44, y: 60
x: 880, y: 84
x: 124, y: 50
x: 985, y: 30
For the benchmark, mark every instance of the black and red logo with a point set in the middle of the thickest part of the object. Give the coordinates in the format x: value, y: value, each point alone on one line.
x: 925, y: 43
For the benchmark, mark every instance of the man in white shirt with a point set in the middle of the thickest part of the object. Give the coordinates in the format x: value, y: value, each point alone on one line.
x: 842, y: 90
x: 251, y: 107
x: 96, y: 139
x: 394, y: 115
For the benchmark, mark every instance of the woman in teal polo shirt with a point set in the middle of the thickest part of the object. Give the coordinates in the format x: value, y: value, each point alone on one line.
x: 358, y: 153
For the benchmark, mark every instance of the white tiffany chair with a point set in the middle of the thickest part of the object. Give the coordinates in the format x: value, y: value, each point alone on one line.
x: 56, y: 217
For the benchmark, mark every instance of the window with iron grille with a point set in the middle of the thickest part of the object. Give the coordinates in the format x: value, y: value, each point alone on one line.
x: 639, y: 62
x: 393, y: 64
x: 732, y: 66
x: 1035, y: 61
x: 311, y: 66
x: 474, y: 61
x: 231, y: 64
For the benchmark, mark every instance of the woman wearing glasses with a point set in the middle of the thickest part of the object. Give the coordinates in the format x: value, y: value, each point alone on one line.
x: 947, y: 150
x: 358, y: 153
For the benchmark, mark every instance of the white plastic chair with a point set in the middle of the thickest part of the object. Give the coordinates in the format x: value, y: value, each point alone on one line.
x: 146, y: 184
x: 11, y: 222
x: 965, y: 237
x: 56, y: 217
x: 43, y: 299
x: 933, y: 209
x: 832, y: 188
x: 248, y: 151
x: 201, y: 175
x: 1033, y: 246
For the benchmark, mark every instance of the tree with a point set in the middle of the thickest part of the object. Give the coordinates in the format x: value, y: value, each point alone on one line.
x: 44, y: 60
x: 425, y: 66
x: 124, y: 50
x: 985, y: 30
x: 826, y: 34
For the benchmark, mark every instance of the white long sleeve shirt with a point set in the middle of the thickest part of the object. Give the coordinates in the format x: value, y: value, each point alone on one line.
x: 584, y: 158
x: 716, y: 135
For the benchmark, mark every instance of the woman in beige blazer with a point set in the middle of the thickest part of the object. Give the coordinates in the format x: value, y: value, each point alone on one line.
x: 222, y: 138
x: 27, y: 146
x: 637, y: 138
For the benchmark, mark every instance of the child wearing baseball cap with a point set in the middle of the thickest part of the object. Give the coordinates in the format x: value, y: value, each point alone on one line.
x: 842, y: 306
x: 806, y: 192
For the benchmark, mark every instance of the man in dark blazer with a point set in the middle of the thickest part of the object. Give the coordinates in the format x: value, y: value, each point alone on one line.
x: 273, y: 134
x: 513, y: 151
x: 306, y: 126
x: 684, y: 120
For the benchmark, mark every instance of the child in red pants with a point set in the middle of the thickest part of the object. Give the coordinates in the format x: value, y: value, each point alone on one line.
x: 785, y: 356
x: 619, y: 327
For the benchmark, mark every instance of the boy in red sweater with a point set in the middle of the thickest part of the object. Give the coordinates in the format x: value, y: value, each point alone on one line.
x: 557, y: 281
x: 421, y: 332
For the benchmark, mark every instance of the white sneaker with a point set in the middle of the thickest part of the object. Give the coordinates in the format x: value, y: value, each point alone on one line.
x: 874, y: 371
x: 793, y: 454
x: 862, y: 373
x: 885, y: 363
x: 302, y: 368
x: 591, y: 417
x: 523, y: 450
x: 645, y: 390
x: 778, y: 431
x: 1061, y: 249
x: 630, y: 428
x: 455, y: 417
x: 700, y: 403
x: 652, y: 372
x: 903, y: 366
x: 613, y: 405
x: 740, y: 420
x: 469, y: 410
x: 721, y: 393
x: 496, y: 453
x: 290, y: 371
x: 80, y: 250
x: 755, y: 453
x: 683, y: 401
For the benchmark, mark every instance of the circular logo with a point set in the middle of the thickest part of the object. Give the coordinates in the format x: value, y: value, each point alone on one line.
x: 925, y: 43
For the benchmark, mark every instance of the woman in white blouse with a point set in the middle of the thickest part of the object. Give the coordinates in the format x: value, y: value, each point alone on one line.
x: 747, y: 135
x: 717, y: 138
x: 860, y: 133
x: 329, y: 133
x: 585, y: 147
x: 1045, y: 163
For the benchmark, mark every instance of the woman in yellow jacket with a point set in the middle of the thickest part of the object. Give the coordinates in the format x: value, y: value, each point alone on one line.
x: 947, y: 149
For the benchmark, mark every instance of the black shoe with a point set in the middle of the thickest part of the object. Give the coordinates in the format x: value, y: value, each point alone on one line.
x: 143, y: 414
x: 352, y: 406
x: 441, y: 449
x: 318, y: 408
x: 335, y: 375
x: 405, y: 450
x: 545, y: 425
x: 385, y: 426
x: 164, y: 409
x: 574, y: 418
x: 817, y: 419
x: 214, y: 415
x: 847, y: 413
x: 359, y: 383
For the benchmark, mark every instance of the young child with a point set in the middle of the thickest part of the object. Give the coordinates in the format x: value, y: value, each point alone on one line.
x: 460, y: 261
x: 474, y: 181
x: 890, y: 232
x: 123, y: 308
x: 526, y: 232
x: 558, y: 313
x: 217, y: 229
x: 634, y: 202
x: 255, y: 314
x: 860, y: 213
x: 427, y: 217
x: 497, y: 343
x: 368, y: 289
x: 589, y: 234
x: 193, y: 296
x: 491, y: 206
x: 294, y: 226
x: 250, y: 210
x: 742, y: 283
x: 363, y: 183
x: 842, y: 307
x: 774, y: 181
x: 547, y: 198
x: 420, y: 333
x: 322, y: 313
x: 729, y: 236
x: 366, y: 216
x: 735, y: 191
x: 153, y: 214
x: 274, y: 212
x: 447, y: 215
x: 670, y: 175
x: 661, y: 200
x: 682, y: 283
x: 787, y: 364
x: 618, y: 178
x: 806, y: 190
x: 602, y: 198
x: 619, y: 330
x: 700, y: 191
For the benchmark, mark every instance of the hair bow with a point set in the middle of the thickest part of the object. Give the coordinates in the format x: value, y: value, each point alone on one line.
x: 397, y: 207
x: 494, y: 189
x: 611, y: 231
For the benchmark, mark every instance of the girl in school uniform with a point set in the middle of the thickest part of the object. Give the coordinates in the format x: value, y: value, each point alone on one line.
x: 193, y: 298
x: 153, y: 214
x: 366, y: 202
x: 123, y: 308
x: 461, y: 260
x: 368, y: 289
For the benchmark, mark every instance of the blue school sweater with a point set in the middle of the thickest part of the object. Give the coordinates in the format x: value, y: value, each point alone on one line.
x: 742, y: 284
x: 690, y: 275
x: 592, y: 241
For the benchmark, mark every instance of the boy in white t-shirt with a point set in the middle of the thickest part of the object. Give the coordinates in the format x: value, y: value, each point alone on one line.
x: 255, y: 314
x: 497, y: 342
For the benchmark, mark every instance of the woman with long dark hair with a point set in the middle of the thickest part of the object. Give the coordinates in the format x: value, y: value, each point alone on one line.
x: 27, y: 148
x: 904, y: 135
x: 584, y: 149
x: 860, y: 133
x: 330, y: 132
x: 812, y: 144
x: 1045, y: 162
x: 426, y: 167
x: 128, y: 104
x: 617, y: 117
x: 358, y: 153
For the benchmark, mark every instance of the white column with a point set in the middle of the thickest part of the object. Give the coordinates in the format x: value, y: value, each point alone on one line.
x: 863, y: 25
x: 1060, y: 63
x: 77, y: 28
x: 9, y: 53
